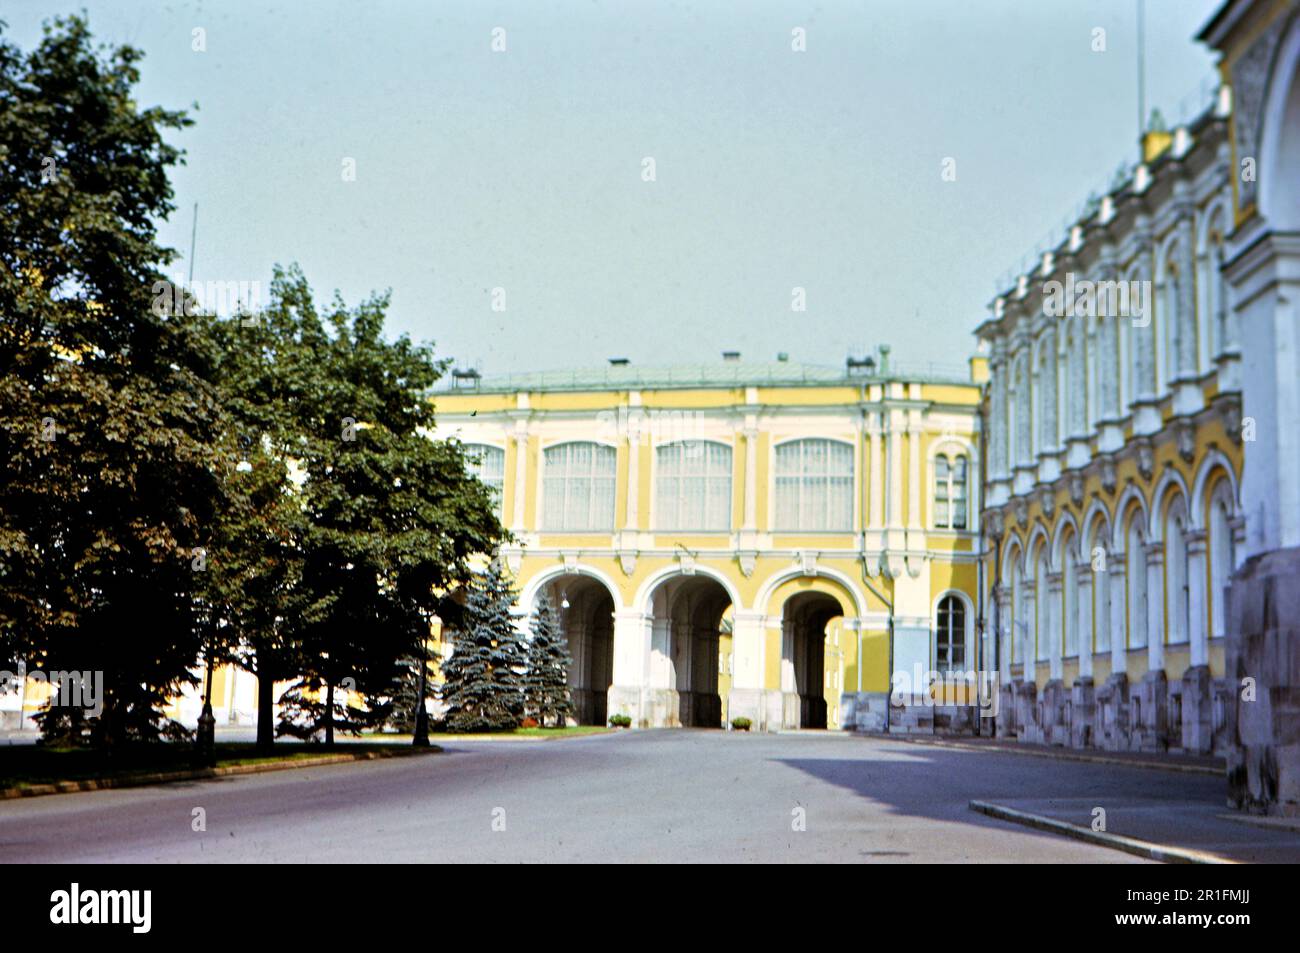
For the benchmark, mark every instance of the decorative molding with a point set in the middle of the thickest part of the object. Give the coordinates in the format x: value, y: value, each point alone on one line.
x: 570, y: 562
x: 1185, y: 436
x: 1249, y: 87
x: 1146, y: 458
x: 1109, y: 475
x: 1047, y: 500
x: 748, y: 560
x: 686, y: 562
x: 1076, y: 489
x: 1021, y: 507
x: 807, y: 560
x: 627, y: 562
x: 514, y: 559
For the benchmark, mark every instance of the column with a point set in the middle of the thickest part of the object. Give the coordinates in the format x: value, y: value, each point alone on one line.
x: 998, y: 464
x: 628, y: 694
x: 877, y: 472
x: 1083, y: 580
x: 1186, y: 346
x: 1052, y: 623
x: 894, y: 492
x: 1118, y: 616
x: 748, y: 655
x: 632, y: 520
x: 1197, y: 623
x: 1155, y: 607
x: 914, y: 482
x: 751, y: 477
x: 521, y: 477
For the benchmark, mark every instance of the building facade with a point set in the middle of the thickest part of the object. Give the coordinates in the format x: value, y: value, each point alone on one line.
x: 1114, y: 464
x: 726, y: 540
x: 1142, y: 498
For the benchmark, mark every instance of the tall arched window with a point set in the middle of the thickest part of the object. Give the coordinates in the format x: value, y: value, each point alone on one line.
x: 693, y: 486
x: 488, y: 463
x: 1069, y: 597
x: 950, y: 635
x: 1098, y: 559
x: 814, y: 485
x: 1177, y: 572
x: 1169, y: 318
x: 950, y: 477
x: 1222, y: 556
x: 578, y: 487
x: 1135, y: 567
x: 1042, y: 613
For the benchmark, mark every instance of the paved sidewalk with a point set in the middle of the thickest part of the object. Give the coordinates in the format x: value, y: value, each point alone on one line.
x: 1198, y: 764
x: 1200, y: 827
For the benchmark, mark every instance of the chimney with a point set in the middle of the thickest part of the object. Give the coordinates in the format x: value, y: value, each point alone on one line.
x: 731, y: 355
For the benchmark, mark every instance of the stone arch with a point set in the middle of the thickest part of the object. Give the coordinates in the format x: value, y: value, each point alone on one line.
x: 1065, y: 522
x: 585, y: 603
x: 1131, y: 496
x: 1215, y: 466
x: 1279, y: 192
x: 833, y: 582
x: 1039, y: 537
x: 528, y: 596
x: 686, y: 614
x: 1171, y: 481
x: 645, y: 592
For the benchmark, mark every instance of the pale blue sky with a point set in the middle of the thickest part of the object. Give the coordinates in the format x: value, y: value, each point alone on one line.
x: 522, y: 169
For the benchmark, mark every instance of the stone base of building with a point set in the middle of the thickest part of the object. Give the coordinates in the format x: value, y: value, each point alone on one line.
x: 1113, y: 714
x: 864, y: 711
x: 666, y: 707
x: 1263, y: 673
x: 1148, y: 721
x: 1081, y: 714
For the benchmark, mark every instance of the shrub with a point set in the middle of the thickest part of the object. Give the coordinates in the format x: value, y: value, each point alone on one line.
x: 741, y: 724
x: 620, y: 721
x: 528, y: 723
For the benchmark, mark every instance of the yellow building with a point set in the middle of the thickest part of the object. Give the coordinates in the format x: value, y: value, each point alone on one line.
x: 1115, y: 434
x: 726, y: 540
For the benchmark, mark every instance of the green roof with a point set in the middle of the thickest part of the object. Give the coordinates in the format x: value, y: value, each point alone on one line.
x: 717, y: 374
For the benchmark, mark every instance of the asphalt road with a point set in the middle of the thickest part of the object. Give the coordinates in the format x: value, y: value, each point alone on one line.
x: 679, y: 796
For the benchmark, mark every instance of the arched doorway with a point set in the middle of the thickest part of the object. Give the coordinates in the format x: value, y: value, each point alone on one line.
x: 686, y: 631
x: 804, y: 618
x: 586, y: 611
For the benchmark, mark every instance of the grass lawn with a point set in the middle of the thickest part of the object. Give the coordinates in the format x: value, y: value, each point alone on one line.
x: 26, y: 765
x: 550, y: 733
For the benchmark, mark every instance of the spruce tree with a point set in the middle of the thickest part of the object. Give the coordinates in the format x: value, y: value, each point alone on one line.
x: 546, y: 684
x: 483, y: 679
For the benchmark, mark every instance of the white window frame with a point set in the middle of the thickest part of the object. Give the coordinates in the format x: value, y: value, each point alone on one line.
x: 665, y: 521
x: 832, y: 443
x: 595, y: 523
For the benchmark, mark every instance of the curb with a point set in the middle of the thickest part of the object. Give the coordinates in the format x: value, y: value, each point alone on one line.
x: 1062, y: 755
x: 1130, y: 845
x: 200, y: 774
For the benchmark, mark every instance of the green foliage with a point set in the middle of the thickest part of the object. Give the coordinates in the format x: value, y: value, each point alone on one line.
x: 546, y: 681
x: 620, y: 721
x: 483, y: 683
x: 390, y: 517
x: 108, y: 425
x: 741, y: 724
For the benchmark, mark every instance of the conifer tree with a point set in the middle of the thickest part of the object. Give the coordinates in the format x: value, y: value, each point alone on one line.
x: 483, y: 679
x: 546, y: 684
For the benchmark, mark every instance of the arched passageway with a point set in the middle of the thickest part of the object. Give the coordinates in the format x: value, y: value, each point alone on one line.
x: 686, y: 622
x: 804, y: 618
x: 586, y: 611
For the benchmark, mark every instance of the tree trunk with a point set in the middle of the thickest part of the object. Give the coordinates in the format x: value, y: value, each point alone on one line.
x: 329, y: 715
x: 265, y: 706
